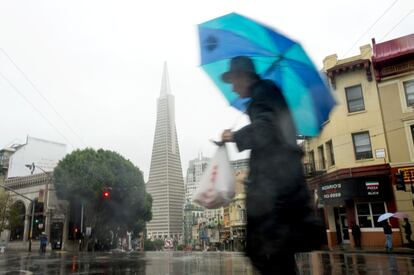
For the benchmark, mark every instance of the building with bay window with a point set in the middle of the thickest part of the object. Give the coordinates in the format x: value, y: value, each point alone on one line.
x: 347, y: 165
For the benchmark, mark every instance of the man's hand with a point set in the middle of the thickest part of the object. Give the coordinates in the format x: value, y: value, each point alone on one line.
x: 227, y: 136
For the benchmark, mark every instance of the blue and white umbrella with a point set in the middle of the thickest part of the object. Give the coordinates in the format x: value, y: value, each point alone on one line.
x: 276, y: 57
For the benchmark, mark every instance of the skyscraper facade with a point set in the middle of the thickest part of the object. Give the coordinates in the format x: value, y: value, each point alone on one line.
x: 165, y: 183
x: 196, y: 168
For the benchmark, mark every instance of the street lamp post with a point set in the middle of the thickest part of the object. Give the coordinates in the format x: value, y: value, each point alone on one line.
x: 46, y: 210
x: 33, y: 210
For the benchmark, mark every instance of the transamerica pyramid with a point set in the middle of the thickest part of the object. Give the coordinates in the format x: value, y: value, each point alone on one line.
x: 165, y: 183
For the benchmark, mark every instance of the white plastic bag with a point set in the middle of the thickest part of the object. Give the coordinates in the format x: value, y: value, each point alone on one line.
x: 217, y: 185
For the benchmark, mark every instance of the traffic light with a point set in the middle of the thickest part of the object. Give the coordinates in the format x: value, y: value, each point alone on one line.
x: 106, y: 193
x: 399, y: 182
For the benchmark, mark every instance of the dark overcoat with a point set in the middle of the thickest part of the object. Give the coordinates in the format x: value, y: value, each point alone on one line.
x: 278, y: 201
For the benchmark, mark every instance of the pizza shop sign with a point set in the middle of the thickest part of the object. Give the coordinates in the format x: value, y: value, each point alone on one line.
x: 372, y: 188
x: 332, y: 191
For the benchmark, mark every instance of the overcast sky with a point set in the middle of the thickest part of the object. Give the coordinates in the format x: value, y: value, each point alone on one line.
x: 99, y: 63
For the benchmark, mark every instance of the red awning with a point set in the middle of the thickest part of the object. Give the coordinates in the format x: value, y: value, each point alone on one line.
x: 393, y: 48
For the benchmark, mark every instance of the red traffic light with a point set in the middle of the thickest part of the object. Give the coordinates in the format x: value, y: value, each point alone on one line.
x: 106, y: 192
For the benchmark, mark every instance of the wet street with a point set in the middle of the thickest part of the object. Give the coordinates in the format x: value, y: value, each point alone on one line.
x: 196, y: 263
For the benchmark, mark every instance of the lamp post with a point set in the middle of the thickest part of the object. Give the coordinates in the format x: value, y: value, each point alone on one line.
x: 33, y: 210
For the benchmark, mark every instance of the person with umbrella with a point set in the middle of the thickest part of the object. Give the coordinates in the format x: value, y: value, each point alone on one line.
x: 388, y: 235
x: 278, y: 201
x: 272, y: 79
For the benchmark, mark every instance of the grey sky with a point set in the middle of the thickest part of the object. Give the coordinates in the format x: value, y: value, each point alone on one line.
x: 100, y: 64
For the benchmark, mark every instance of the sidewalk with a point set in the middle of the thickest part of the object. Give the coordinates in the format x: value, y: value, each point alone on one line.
x: 374, y: 250
x: 24, y: 246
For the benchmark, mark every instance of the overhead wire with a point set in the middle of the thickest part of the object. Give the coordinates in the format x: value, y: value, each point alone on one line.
x: 41, y: 95
x: 375, y: 22
x: 380, y: 124
x: 35, y: 108
x: 399, y: 22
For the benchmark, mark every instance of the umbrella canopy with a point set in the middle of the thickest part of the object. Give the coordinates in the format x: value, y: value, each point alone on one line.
x: 275, y: 57
x: 385, y: 216
x: 400, y: 215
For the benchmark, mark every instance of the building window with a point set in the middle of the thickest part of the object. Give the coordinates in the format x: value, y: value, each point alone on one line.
x: 368, y: 213
x: 412, y: 132
x: 362, y: 145
x: 321, y: 157
x: 409, y: 92
x: 354, y: 99
x: 312, y: 161
x: 330, y: 153
x: 243, y: 215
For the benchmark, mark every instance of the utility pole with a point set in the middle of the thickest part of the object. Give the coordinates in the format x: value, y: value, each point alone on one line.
x: 46, y: 209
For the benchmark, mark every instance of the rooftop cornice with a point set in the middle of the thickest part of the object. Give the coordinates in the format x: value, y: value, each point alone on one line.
x: 32, y: 180
x: 359, y: 64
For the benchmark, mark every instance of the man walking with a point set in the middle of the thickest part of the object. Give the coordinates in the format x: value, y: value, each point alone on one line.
x: 407, y: 229
x: 43, y: 242
x: 280, y: 219
x: 388, y: 236
x: 356, y: 233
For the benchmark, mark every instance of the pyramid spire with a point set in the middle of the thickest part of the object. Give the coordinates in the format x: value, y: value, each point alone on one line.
x: 165, y: 182
x: 165, y: 84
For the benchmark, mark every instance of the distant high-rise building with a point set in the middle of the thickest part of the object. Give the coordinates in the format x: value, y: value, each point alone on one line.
x: 240, y: 164
x: 165, y: 182
x: 196, y: 168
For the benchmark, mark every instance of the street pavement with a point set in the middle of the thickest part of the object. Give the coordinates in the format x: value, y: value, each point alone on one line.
x: 227, y: 263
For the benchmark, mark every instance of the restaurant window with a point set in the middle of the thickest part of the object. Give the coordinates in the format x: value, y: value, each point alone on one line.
x: 321, y: 157
x: 362, y: 145
x: 409, y: 92
x: 354, y: 99
x: 330, y: 153
x: 368, y: 213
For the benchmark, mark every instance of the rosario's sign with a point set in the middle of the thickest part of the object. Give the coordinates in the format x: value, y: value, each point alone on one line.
x: 331, y: 191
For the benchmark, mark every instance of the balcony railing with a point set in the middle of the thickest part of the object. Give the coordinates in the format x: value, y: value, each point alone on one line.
x: 314, y: 168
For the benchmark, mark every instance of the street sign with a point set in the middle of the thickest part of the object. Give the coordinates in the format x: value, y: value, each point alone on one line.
x: 168, y: 243
x: 380, y: 153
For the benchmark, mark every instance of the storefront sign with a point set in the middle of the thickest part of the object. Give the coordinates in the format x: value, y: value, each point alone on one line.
x: 332, y: 191
x: 372, y: 188
x: 336, y: 193
x: 408, y: 174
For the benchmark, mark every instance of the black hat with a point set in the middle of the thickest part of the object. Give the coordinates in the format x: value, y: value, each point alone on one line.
x: 239, y: 64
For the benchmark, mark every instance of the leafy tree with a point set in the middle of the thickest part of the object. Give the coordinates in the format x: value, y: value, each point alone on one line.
x: 149, y: 245
x: 5, y: 203
x: 82, y: 176
x: 158, y: 244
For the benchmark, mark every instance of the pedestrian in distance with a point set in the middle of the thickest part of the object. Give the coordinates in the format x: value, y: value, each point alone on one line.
x: 356, y: 233
x: 280, y: 218
x: 407, y: 230
x: 43, y: 242
x: 388, y: 236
